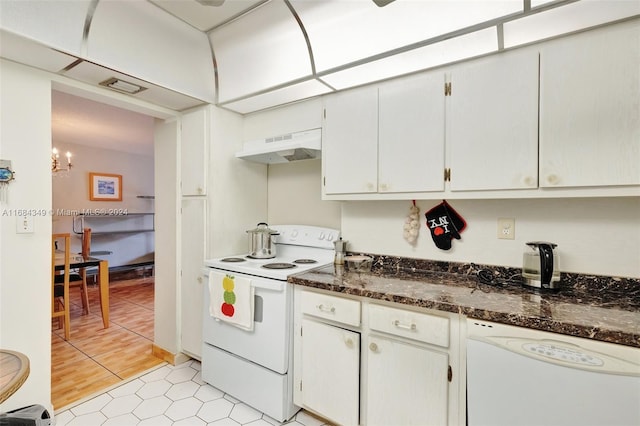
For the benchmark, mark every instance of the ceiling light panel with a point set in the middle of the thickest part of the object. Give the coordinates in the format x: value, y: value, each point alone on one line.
x: 57, y: 24
x: 152, y: 45
x: 285, y: 95
x: 204, y: 17
x: 29, y: 52
x: 263, y: 49
x: 455, y: 49
x: 343, y: 32
x: 566, y: 19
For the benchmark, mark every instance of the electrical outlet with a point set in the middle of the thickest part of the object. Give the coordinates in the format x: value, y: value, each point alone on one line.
x: 506, y: 228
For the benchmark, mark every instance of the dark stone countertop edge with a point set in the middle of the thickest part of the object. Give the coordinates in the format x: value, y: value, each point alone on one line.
x: 536, y: 322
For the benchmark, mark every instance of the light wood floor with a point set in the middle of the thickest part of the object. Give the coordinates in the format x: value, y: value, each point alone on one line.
x: 96, y: 358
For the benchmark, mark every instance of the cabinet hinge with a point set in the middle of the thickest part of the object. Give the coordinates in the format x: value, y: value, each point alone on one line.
x: 449, y: 374
x: 324, y: 113
x: 447, y: 89
x: 447, y: 175
x: 324, y: 181
x: 300, y: 385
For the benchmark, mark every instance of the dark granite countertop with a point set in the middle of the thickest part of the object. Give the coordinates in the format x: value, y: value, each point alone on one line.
x: 590, y: 307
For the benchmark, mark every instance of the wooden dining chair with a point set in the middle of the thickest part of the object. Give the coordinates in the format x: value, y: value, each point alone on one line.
x: 60, y: 284
x: 79, y: 278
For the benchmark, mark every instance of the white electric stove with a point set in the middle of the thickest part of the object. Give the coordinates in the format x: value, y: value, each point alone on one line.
x: 256, y: 366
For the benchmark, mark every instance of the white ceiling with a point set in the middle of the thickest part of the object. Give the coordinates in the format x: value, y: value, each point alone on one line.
x: 85, y: 122
x: 204, y: 17
x: 82, y: 121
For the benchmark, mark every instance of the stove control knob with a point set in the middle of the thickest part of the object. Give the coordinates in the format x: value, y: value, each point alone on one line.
x: 321, y: 237
x: 329, y: 237
x: 294, y: 233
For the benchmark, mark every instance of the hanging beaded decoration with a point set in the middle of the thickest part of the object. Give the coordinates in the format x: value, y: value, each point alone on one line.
x: 6, y: 176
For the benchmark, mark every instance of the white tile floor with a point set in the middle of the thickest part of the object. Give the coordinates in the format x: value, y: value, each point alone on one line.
x: 169, y: 395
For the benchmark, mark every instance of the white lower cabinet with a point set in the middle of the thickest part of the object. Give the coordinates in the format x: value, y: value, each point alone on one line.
x: 406, y: 383
x: 406, y: 372
x: 331, y: 371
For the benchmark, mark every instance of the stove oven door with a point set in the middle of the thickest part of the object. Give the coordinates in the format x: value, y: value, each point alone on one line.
x: 269, y: 343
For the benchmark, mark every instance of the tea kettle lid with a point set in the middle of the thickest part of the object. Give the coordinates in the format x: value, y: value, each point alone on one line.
x: 263, y: 228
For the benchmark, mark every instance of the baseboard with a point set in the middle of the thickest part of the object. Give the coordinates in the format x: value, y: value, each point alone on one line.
x: 171, y: 358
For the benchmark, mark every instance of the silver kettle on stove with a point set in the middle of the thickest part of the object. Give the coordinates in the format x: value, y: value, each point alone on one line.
x: 540, y: 268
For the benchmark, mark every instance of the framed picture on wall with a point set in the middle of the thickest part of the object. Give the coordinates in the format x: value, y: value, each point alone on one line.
x: 105, y: 187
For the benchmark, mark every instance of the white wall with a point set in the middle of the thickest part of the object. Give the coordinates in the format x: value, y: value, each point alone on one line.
x: 25, y: 259
x: 595, y: 236
x: 294, y: 191
x: 237, y: 189
x: 166, y: 151
x: 71, y: 192
x: 295, y: 196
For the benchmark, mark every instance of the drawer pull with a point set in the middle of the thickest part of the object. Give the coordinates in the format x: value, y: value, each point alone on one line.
x: 373, y: 347
x: 327, y: 309
x: 398, y: 324
x: 349, y: 343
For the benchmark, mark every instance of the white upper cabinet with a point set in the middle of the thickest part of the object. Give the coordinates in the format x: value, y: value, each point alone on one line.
x: 561, y: 119
x: 350, y: 142
x: 411, y: 134
x: 590, y: 109
x: 387, y: 139
x: 493, y: 123
x: 194, y: 160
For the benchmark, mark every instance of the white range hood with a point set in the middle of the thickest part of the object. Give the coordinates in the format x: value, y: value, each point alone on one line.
x: 304, y: 145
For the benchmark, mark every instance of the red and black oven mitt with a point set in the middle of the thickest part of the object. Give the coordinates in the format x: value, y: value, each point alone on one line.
x: 445, y: 224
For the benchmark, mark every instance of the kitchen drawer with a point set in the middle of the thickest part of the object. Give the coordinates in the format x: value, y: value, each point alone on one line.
x: 346, y: 311
x: 412, y: 325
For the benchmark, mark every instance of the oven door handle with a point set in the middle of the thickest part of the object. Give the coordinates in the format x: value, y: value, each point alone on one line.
x: 256, y: 282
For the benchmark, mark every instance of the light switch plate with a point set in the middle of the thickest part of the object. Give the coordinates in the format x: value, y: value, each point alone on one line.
x: 24, y: 224
x: 506, y: 228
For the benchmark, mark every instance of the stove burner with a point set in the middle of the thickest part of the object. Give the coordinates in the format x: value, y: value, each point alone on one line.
x: 279, y: 265
x: 232, y: 259
x: 258, y: 258
x: 305, y: 261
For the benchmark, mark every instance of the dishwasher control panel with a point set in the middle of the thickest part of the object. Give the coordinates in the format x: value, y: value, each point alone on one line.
x: 562, y: 353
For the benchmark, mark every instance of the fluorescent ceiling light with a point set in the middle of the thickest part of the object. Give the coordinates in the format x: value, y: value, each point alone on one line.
x: 122, y: 86
x: 266, y: 48
x: 566, y: 19
x: 451, y: 50
x: 345, y: 32
x: 285, y: 95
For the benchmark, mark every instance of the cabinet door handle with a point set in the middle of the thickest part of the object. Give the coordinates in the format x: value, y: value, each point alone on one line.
x: 200, y: 280
x: 384, y: 187
x: 373, y: 347
x: 398, y: 324
x: 328, y: 309
x: 349, y: 342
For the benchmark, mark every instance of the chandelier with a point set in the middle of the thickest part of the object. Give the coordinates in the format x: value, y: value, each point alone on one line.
x: 56, y: 164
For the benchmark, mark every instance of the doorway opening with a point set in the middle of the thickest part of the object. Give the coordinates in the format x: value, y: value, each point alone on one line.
x: 110, y: 140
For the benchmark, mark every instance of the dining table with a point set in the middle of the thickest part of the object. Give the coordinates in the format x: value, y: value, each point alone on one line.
x: 79, y: 261
x: 14, y: 370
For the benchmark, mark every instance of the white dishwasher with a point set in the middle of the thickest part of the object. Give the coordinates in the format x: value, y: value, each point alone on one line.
x: 518, y: 376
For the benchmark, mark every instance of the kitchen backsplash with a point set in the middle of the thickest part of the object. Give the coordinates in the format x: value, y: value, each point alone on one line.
x: 390, y: 265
